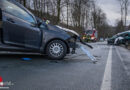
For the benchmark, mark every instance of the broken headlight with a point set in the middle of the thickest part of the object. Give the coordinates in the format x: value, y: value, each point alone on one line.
x: 72, y: 40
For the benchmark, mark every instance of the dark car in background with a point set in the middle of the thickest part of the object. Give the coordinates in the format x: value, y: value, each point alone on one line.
x: 23, y: 33
x: 125, y: 35
x: 112, y: 39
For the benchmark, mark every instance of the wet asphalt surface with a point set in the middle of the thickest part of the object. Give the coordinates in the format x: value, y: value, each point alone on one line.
x: 75, y: 72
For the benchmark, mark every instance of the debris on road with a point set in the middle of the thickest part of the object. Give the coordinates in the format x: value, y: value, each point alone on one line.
x: 26, y: 59
x: 88, y: 54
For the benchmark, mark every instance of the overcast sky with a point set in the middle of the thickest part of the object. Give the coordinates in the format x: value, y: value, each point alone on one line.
x: 112, y: 10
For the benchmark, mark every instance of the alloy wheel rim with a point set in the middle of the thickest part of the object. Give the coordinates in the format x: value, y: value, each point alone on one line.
x: 56, y: 49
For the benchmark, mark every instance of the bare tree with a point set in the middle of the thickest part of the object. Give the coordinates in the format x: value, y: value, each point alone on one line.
x: 67, y: 10
x: 122, y: 13
x: 126, y: 4
x: 58, y: 10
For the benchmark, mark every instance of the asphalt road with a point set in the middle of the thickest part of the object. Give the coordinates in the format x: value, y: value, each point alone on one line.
x: 75, y: 72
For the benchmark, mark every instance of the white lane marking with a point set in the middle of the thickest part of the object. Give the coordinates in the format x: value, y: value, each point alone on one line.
x: 125, y: 67
x: 1, y: 88
x: 106, y: 83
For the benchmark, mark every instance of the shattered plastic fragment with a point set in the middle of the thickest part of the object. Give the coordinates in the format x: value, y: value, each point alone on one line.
x: 26, y: 59
x: 88, y: 53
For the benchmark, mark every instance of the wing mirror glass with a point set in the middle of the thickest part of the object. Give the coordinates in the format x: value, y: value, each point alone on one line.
x: 39, y: 22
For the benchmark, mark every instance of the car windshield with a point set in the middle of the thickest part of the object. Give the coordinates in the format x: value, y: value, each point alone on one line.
x: 89, y: 32
x: 115, y: 36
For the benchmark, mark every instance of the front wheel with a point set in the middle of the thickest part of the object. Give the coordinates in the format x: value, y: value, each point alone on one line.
x: 56, y: 50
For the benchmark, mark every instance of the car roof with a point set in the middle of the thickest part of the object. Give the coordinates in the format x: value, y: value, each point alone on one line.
x: 123, y: 32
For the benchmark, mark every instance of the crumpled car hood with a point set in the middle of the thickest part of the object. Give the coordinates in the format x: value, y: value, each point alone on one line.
x: 68, y: 30
x: 62, y: 30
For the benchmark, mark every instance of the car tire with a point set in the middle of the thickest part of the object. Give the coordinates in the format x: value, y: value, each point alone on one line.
x: 126, y: 44
x: 118, y: 43
x: 56, y: 50
x: 108, y: 43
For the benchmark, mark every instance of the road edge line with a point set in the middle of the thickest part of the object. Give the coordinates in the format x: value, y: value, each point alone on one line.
x: 106, y: 82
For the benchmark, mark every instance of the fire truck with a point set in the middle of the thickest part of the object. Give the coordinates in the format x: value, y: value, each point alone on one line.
x: 90, y: 35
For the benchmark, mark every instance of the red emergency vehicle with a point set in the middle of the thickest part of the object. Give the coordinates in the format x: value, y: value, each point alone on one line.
x: 90, y: 35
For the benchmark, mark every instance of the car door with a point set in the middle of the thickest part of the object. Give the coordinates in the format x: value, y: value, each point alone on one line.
x: 19, y: 27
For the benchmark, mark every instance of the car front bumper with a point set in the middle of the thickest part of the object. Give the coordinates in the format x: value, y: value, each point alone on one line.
x: 72, y: 44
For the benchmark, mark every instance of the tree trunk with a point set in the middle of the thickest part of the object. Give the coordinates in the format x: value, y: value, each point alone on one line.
x: 24, y: 3
x: 58, y: 10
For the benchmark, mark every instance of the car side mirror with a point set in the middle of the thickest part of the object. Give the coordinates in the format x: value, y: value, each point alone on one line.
x: 39, y: 23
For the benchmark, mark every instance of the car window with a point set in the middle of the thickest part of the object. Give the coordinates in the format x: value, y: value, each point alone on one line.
x: 18, y: 12
x: 122, y: 35
x: 89, y: 32
x: 129, y: 34
x: 115, y: 36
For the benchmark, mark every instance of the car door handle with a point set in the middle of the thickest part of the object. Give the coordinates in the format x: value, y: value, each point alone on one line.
x: 10, y: 20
